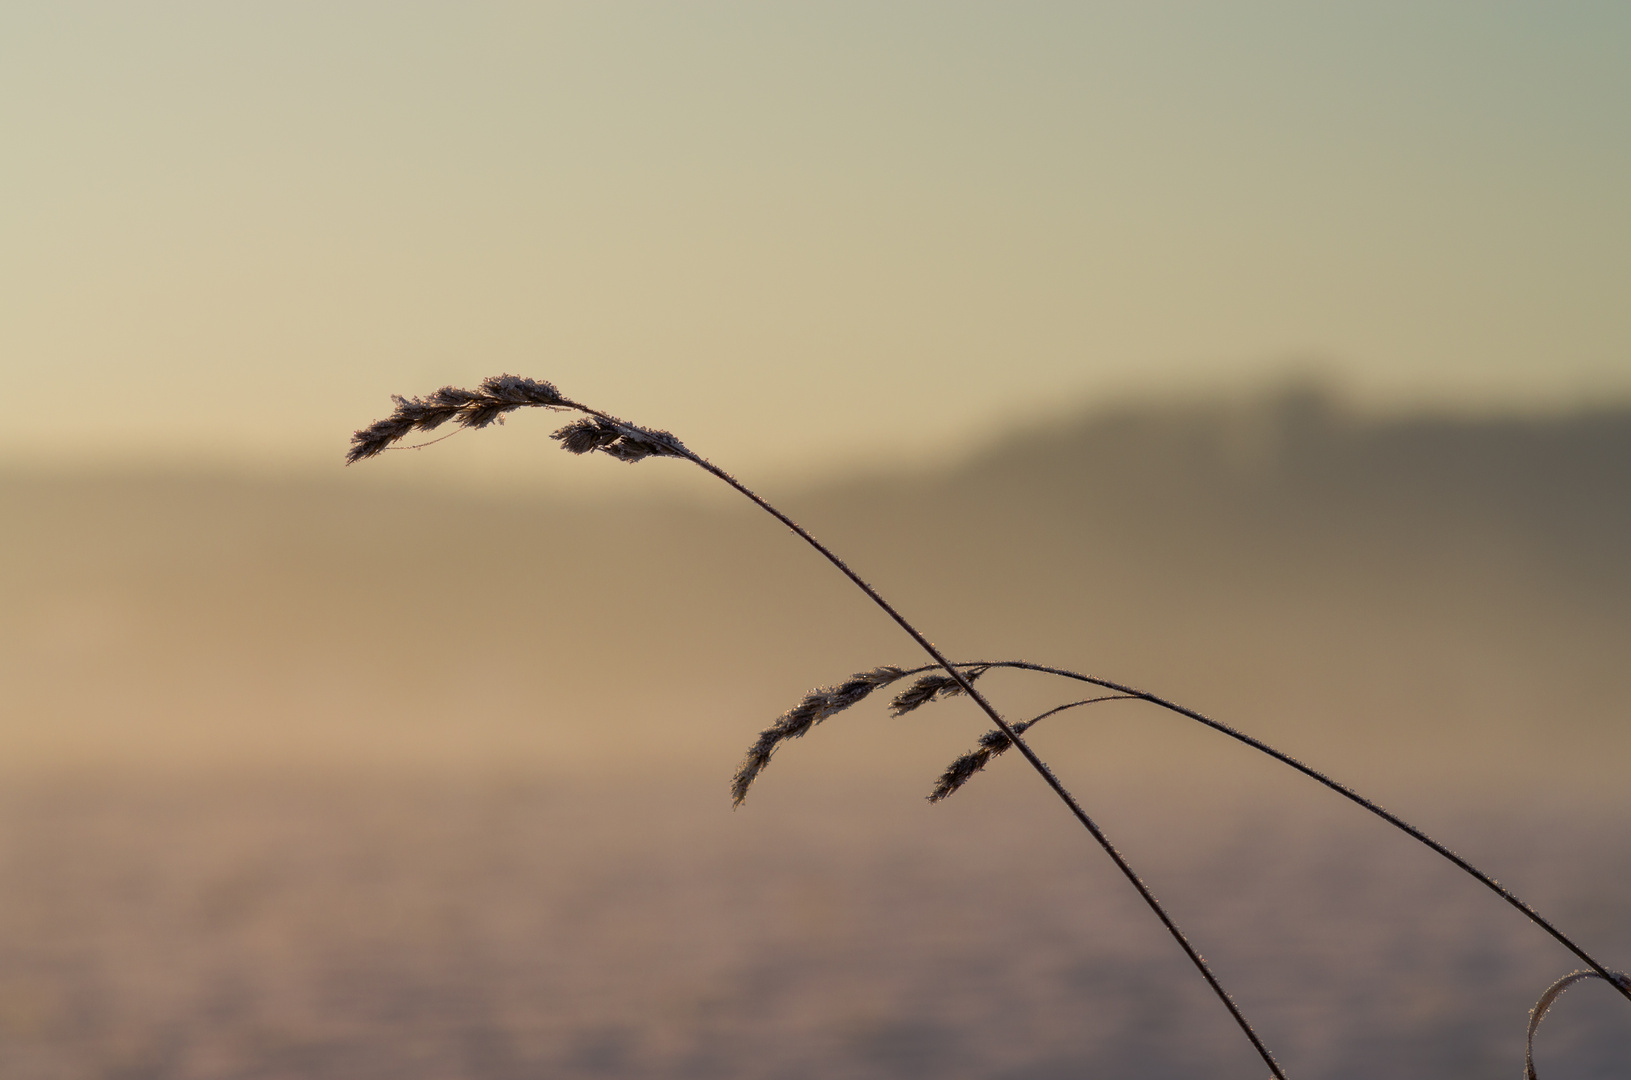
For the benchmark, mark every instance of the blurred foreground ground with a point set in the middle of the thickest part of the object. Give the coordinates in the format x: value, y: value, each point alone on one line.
x: 335, y: 779
x: 546, y: 929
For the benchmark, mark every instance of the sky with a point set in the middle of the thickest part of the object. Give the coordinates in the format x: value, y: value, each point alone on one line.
x: 803, y: 236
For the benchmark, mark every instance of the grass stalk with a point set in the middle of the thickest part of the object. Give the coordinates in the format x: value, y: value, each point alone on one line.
x: 1346, y: 792
x: 1619, y: 980
x: 601, y: 431
x: 992, y: 743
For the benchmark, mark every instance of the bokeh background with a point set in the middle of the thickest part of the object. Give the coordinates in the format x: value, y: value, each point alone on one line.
x: 1270, y: 357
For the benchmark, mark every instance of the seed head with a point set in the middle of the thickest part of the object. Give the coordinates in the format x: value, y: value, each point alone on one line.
x: 469, y: 408
x: 818, y: 705
x: 929, y: 688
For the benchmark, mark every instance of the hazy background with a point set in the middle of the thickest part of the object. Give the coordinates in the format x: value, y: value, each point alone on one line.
x: 800, y: 233
x: 1272, y: 358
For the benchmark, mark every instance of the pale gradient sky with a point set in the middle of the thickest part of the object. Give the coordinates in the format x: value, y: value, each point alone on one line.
x: 793, y: 233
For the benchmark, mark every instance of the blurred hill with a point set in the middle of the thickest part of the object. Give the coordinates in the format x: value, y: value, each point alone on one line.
x: 1448, y: 591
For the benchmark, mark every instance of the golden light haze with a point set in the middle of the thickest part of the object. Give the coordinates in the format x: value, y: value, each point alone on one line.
x: 800, y: 235
x: 331, y: 774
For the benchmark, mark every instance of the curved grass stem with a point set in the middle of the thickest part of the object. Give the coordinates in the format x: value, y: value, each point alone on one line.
x: 967, y: 686
x: 1123, y: 690
x: 1618, y: 979
x: 631, y: 442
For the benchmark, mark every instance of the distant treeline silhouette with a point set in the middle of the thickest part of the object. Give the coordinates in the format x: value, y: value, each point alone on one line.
x: 1299, y: 467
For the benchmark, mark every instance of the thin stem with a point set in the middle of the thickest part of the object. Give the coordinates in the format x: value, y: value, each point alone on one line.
x: 1620, y: 981
x: 428, y: 442
x: 1035, y: 720
x: 1342, y: 789
x: 967, y: 686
